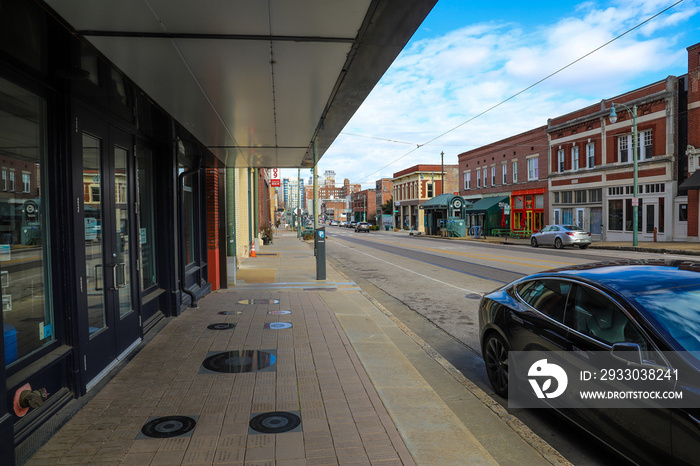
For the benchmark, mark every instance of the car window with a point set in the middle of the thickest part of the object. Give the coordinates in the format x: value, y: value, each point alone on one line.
x: 547, y: 296
x: 554, y: 229
x: 597, y: 316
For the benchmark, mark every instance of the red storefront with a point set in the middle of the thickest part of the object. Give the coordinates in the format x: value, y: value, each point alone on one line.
x: 527, y: 209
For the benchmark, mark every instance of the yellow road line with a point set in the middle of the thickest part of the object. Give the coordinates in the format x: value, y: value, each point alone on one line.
x: 529, y: 263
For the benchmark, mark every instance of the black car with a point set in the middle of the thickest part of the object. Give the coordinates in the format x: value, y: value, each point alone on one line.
x: 648, y: 312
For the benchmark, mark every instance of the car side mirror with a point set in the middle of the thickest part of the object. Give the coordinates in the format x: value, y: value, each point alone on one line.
x: 630, y: 353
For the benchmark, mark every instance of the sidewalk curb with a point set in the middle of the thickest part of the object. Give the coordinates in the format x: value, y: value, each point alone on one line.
x: 535, y: 441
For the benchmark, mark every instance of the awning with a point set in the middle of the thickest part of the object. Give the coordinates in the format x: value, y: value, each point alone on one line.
x: 693, y: 182
x: 438, y: 202
x: 487, y: 203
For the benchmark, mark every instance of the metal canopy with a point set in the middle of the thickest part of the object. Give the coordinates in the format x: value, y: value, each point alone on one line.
x: 255, y: 81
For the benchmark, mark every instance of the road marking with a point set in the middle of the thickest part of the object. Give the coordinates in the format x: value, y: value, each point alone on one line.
x: 409, y: 270
x: 478, y: 256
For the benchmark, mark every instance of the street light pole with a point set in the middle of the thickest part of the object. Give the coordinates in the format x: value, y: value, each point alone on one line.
x: 635, y: 200
x: 442, y: 172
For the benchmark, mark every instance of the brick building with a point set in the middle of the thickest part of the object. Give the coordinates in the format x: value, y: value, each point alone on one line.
x: 516, y: 167
x: 689, y: 187
x: 591, y: 165
x: 414, y: 186
x: 364, y: 206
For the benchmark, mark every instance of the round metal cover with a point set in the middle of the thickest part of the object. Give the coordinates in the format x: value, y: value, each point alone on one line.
x: 168, y: 426
x: 259, y: 301
x: 221, y: 326
x: 275, y: 422
x: 473, y: 296
x: 277, y: 313
x: 234, y: 362
x: 231, y: 313
x: 278, y: 325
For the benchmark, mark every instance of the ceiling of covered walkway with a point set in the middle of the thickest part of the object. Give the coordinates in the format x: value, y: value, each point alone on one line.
x: 256, y: 81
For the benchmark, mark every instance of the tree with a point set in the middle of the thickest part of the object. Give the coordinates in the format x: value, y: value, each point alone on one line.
x: 388, y: 207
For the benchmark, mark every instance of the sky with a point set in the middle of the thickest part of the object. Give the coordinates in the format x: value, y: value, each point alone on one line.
x: 458, y: 84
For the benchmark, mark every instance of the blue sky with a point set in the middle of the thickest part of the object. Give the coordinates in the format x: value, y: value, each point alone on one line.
x: 469, y: 56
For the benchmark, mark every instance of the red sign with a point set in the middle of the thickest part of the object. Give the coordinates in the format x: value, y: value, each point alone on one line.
x: 275, y: 179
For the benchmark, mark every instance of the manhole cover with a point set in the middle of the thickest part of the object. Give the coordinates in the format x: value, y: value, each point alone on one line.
x: 168, y: 427
x: 259, y: 301
x: 278, y: 313
x: 234, y: 362
x: 275, y: 422
x: 473, y: 296
x: 278, y: 325
x: 231, y: 313
x: 221, y: 326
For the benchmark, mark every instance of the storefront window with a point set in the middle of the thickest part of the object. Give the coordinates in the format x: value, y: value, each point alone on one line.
x: 629, y: 211
x: 147, y: 247
x: 28, y: 322
x: 615, y: 215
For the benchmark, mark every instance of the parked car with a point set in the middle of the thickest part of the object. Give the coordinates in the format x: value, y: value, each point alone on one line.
x: 362, y: 226
x: 343, y: 223
x: 643, y: 314
x: 560, y: 236
x: 334, y: 223
x: 352, y: 224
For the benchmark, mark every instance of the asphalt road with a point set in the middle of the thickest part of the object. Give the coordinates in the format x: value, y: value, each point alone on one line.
x: 434, y: 287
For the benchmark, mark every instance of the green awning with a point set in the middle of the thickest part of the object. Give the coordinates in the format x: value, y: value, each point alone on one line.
x: 440, y: 202
x: 487, y: 203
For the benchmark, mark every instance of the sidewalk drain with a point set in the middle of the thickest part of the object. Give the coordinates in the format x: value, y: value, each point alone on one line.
x: 221, y: 326
x: 235, y: 362
x: 275, y: 422
x: 320, y: 289
x: 230, y: 313
x: 259, y: 301
x: 168, y: 427
x: 278, y: 325
x: 278, y: 313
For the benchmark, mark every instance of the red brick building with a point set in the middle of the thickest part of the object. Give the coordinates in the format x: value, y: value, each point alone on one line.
x: 689, y: 185
x: 364, y: 206
x: 516, y: 167
x: 591, y: 165
x: 414, y: 186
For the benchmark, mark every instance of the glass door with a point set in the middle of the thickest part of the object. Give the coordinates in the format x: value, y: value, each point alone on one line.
x: 110, y: 325
x: 650, y: 221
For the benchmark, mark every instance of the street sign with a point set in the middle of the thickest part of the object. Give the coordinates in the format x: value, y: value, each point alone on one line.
x: 635, y: 202
x: 275, y: 179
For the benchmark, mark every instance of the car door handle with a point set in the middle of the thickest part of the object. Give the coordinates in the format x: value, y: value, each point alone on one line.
x: 517, y: 319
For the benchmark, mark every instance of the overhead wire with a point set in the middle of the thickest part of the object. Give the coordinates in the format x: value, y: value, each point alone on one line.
x: 418, y: 146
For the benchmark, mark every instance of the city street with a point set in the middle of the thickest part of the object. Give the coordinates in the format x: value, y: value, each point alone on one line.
x: 434, y: 286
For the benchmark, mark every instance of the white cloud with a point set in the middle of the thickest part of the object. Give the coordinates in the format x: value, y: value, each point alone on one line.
x: 439, y: 83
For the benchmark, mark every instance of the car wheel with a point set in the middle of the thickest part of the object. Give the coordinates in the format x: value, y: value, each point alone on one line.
x: 558, y: 244
x: 533, y: 242
x: 583, y: 246
x: 496, y: 361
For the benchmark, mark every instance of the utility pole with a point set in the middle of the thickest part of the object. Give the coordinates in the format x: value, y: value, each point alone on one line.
x: 442, y: 172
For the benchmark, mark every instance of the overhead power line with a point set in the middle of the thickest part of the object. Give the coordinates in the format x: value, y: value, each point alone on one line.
x: 418, y: 146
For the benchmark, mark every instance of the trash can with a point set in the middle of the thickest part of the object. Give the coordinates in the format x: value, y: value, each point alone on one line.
x: 386, y: 227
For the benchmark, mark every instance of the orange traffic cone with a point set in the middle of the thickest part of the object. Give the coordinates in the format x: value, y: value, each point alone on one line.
x: 252, y: 250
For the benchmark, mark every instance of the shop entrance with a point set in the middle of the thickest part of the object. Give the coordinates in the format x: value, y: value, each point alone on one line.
x: 109, y: 324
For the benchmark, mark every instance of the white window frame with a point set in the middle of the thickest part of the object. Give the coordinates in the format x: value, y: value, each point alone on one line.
x: 624, y: 144
x: 574, y: 158
x: 557, y: 216
x: 590, y: 155
x: 561, y: 160
x: 504, y: 169
x: 4, y: 179
x: 11, y: 188
x: 486, y: 177
x: 533, y: 168
x: 478, y: 178
x: 26, y: 182
x: 467, y: 180
x: 493, y: 175
x: 515, y: 171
